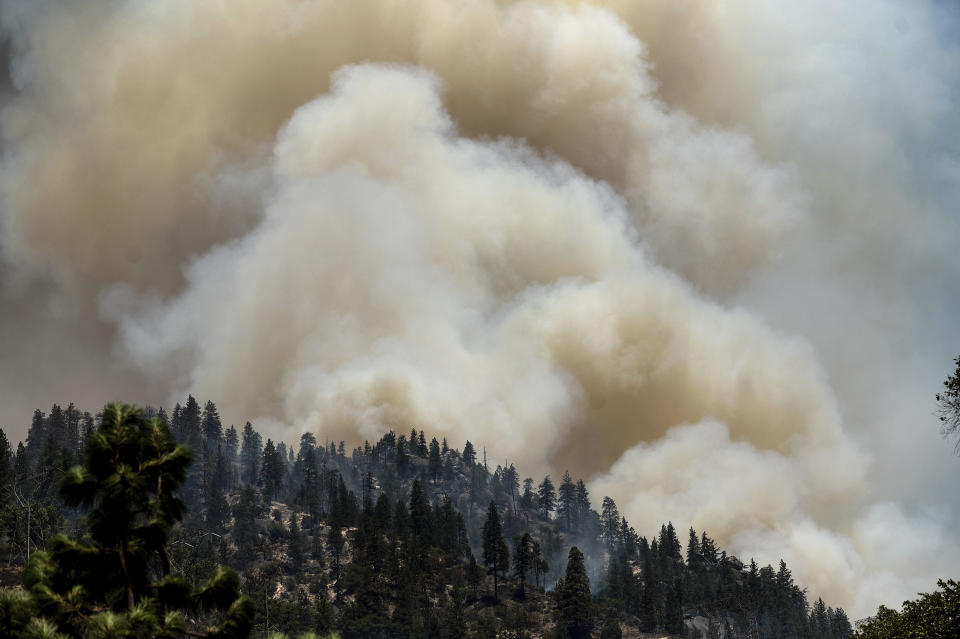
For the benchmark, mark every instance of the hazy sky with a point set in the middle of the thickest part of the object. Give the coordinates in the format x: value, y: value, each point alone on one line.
x: 701, y: 253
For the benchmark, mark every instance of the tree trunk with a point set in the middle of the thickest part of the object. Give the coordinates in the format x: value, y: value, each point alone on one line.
x: 126, y: 574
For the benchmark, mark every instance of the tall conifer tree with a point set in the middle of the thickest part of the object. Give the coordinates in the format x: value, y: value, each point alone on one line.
x: 546, y: 497
x: 496, y: 555
x: 574, y: 601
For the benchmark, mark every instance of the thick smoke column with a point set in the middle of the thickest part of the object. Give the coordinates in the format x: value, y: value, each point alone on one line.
x: 583, y: 234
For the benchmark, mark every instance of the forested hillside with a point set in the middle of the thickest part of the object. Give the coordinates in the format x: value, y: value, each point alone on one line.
x: 407, y: 536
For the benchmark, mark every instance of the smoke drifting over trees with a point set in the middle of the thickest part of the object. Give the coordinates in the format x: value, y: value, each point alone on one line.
x: 676, y: 247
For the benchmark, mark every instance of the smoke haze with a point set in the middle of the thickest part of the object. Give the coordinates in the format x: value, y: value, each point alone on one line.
x: 698, y: 252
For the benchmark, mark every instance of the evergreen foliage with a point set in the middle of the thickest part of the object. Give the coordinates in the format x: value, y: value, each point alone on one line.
x: 496, y: 555
x: 567, y: 506
x: 435, y: 461
x: 403, y: 537
x: 117, y: 582
x: 6, y: 469
x: 250, y: 453
x: 523, y: 561
x: 574, y: 601
x: 546, y: 496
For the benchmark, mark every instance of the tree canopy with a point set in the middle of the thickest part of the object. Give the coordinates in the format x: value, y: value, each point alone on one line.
x: 934, y: 615
x: 117, y: 583
x: 948, y: 405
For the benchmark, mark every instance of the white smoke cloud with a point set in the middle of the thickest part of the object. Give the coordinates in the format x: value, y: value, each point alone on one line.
x: 645, y: 241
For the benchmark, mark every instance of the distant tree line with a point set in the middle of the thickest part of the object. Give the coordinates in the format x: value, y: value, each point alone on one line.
x: 407, y: 536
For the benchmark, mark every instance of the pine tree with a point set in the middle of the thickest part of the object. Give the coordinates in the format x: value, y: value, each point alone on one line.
x: 422, y: 445
x: 323, y: 619
x: 336, y: 542
x: 842, y: 629
x: 231, y: 449
x: 6, y: 468
x: 546, y: 497
x: 271, y: 471
x: 708, y: 548
x: 540, y: 565
x: 71, y: 441
x: 673, y: 609
x: 193, y: 489
x: 190, y: 421
x: 469, y: 454
x: 307, y: 484
x: 784, y: 576
x: 382, y: 514
x: 250, y: 454
x: 436, y: 461
x: 629, y: 538
x: 474, y: 577
x: 103, y: 585
x: 413, y: 441
x: 583, y: 504
x: 48, y: 469
x: 87, y: 425
x: 669, y: 542
x: 511, y: 482
x: 21, y: 467
x: 210, y: 425
x: 819, y: 621
x: 647, y: 613
x: 231, y: 444
x: 454, y: 622
x: 574, y: 601
x: 295, y: 545
x: 176, y: 422
x: 528, y: 498
x: 496, y: 555
x: 420, y: 513
x: 217, y: 508
x: 609, y: 523
x: 36, y: 436
x: 523, y: 561
x: 693, y: 547
x: 568, y: 495
x: 245, y: 522
x: 57, y: 425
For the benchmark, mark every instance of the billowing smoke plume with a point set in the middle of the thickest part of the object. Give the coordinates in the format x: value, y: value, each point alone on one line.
x: 644, y: 241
